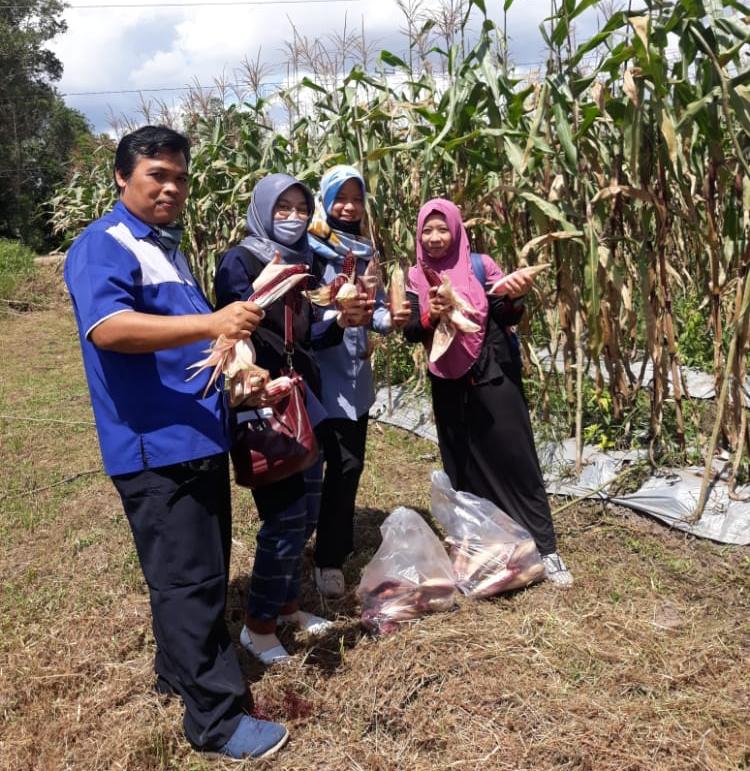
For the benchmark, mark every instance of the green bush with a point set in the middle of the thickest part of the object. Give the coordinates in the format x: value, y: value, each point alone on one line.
x: 16, y: 264
x: 696, y: 337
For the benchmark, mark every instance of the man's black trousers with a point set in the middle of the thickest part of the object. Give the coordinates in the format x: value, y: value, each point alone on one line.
x: 181, y: 520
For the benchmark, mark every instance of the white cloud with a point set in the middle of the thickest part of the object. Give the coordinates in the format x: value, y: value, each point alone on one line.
x: 162, y: 67
x: 140, y: 48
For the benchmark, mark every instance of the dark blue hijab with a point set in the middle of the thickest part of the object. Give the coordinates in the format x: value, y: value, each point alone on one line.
x: 260, y: 240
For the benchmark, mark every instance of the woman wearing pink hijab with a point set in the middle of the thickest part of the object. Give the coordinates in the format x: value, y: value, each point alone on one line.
x: 484, y: 431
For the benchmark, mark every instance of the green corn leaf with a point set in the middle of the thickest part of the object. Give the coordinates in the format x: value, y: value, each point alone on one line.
x: 734, y: 28
x: 392, y: 60
x: 547, y: 208
x: 561, y: 30
x: 616, y: 22
x: 695, y: 107
x: 590, y: 114
x: 740, y: 80
x: 739, y: 98
x: 515, y: 156
x: 564, y: 134
x: 381, y: 152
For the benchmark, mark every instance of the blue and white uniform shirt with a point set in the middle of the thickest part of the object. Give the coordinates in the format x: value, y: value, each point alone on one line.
x: 147, y: 414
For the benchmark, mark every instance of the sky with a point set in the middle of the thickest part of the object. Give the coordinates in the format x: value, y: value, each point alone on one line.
x: 161, y: 45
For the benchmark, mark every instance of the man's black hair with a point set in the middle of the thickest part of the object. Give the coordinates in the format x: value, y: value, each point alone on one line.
x: 148, y: 142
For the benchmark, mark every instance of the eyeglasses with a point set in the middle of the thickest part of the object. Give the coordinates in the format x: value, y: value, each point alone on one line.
x: 285, y: 210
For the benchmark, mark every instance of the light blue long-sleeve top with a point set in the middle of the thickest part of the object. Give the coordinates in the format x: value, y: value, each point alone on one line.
x: 346, y: 372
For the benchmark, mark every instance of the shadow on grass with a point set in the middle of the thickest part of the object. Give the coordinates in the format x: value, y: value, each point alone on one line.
x: 325, y: 652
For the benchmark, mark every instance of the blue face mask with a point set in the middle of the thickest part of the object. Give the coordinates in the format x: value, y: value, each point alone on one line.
x: 289, y: 231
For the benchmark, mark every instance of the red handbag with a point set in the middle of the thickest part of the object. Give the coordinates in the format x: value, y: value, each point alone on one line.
x: 272, y: 443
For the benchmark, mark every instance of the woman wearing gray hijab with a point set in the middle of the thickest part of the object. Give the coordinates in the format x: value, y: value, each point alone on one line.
x: 277, y: 219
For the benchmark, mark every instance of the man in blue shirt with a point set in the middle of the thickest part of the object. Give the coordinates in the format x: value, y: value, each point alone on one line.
x: 142, y: 321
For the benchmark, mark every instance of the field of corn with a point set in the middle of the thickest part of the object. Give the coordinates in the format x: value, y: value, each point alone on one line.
x: 624, y: 163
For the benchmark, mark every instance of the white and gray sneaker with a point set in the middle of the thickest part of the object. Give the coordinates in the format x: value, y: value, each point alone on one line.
x: 330, y: 581
x: 307, y: 622
x: 265, y: 647
x: 556, y: 571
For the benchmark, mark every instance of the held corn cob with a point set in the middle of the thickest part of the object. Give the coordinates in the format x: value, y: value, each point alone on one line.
x: 344, y: 290
x: 247, y: 383
x: 231, y: 357
x: 328, y: 294
x: 369, y: 281
x: 500, y: 286
x: 397, y: 288
x: 456, y: 318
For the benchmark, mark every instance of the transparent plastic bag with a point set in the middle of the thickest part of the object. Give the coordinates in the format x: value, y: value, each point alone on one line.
x: 409, y: 576
x: 491, y: 553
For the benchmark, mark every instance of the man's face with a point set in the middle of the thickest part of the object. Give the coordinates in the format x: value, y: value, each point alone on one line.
x: 156, y: 190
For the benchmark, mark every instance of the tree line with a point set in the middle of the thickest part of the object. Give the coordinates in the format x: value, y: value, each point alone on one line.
x: 39, y: 133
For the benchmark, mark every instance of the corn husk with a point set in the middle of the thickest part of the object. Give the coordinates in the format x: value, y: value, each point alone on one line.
x: 322, y: 296
x: 457, y: 318
x: 443, y: 336
x: 275, y: 280
x: 457, y: 302
x: 462, y: 323
x: 279, y: 386
x: 220, y: 352
x: 347, y: 295
x: 231, y: 357
x: 393, y: 602
x: 241, y: 356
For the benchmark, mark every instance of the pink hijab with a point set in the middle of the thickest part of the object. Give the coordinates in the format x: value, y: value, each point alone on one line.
x: 465, y: 349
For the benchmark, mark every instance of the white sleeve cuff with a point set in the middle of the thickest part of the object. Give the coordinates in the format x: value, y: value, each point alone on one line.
x: 104, y: 318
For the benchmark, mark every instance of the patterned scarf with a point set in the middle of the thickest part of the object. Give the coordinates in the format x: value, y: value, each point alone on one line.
x: 325, y: 235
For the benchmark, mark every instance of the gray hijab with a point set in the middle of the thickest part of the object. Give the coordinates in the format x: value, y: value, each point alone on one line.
x: 260, y: 240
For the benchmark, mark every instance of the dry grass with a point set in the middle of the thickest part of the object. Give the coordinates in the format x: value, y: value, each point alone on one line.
x: 642, y: 665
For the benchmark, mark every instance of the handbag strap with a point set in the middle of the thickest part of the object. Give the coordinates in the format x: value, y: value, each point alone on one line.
x: 289, y: 330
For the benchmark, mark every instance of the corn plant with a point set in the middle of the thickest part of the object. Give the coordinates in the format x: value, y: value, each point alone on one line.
x: 624, y: 165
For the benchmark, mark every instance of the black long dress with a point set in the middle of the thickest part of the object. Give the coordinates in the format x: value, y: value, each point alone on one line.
x: 483, y: 426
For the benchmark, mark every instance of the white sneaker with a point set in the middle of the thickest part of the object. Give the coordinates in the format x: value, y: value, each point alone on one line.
x: 265, y: 647
x: 308, y: 622
x: 330, y: 581
x: 556, y: 571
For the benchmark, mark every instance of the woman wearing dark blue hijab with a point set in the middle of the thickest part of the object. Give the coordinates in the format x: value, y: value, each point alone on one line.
x: 280, y: 211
